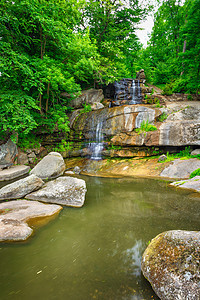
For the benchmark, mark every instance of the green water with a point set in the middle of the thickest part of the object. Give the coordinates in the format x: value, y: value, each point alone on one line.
x: 94, y: 252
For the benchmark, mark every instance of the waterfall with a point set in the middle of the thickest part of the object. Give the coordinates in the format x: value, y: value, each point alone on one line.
x: 133, y: 100
x: 97, y: 146
x: 127, y: 91
x: 139, y: 90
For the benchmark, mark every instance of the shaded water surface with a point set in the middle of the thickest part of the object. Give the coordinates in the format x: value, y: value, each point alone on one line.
x: 95, y: 252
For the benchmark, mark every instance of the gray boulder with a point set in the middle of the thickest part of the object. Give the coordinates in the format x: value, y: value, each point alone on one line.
x: 97, y: 105
x: 14, y: 216
x: 51, y: 166
x: 191, y: 184
x: 14, y: 172
x: 181, y: 168
x: 8, y: 153
x: 87, y: 97
x: 162, y: 157
x: 77, y: 170
x: 21, y: 188
x: 67, y: 191
x: 171, y: 265
x: 195, y: 152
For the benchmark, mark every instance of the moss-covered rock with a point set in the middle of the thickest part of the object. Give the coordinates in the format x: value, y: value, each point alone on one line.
x: 171, y: 264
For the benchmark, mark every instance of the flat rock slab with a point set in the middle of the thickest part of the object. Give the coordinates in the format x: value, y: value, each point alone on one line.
x: 14, y: 172
x: 51, y: 166
x: 181, y: 168
x: 15, y: 214
x: 171, y: 264
x: 191, y: 184
x: 67, y: 191
x: 21, y: 188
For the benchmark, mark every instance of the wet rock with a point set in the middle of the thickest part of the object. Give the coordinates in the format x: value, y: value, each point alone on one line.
x: 67, y: 191
x: 191, y: 184
x: 181, y: 168
x: 8, y: 153
x: 21, y: 188
x: 77, y: 170
x: 171, y: 264
x: 14, y: 216
x: 195, y: 152
x: 162, y: 157
x: 51, y: 166
x: 14, y: 172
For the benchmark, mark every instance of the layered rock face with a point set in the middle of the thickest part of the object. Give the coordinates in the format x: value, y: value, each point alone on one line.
x: 174, y: 128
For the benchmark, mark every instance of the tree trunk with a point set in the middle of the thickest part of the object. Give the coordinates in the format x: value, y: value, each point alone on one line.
x: 184, y: 49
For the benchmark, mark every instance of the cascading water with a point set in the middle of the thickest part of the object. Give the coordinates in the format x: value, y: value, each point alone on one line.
x: 133, y: 101
x: 97, y: 146
x: 127, y: 91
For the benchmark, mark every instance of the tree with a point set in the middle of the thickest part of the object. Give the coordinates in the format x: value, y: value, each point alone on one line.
x: 41, y: 56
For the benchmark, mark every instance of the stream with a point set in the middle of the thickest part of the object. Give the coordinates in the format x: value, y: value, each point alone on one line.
x: 94, y: 252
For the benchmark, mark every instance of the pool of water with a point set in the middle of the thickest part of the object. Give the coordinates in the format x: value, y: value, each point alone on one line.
x: 94, y: 252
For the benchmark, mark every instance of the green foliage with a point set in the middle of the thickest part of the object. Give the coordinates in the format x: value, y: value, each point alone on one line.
x: 17, y: 112
x: 162, y: 117
x: 114, y: 147
x: 167, y: 90
x: 195, y: 173
x: 29, y: 142
x: 86, y: 108
x: 172, y: 56
x: 64, y: 146
x: 183, y: 154
x: 145, y: 127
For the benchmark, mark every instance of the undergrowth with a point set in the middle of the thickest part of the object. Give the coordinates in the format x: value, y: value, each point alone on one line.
x: 183, y: 154
x: 145, y: 127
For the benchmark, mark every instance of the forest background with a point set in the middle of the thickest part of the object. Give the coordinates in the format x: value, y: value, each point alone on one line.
x: 53, y: 46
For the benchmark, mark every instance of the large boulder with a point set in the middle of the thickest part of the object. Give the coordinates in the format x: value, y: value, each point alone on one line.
x: 181, y: 168
x: 67, y: 191
x: 190, y: 184
x: 51, y: 166
x: 14, y: 216
x: 8, y: 153
x: 21, y: 188
x: 90, y: 96
x: 171, y: 264
x: 14, y: 172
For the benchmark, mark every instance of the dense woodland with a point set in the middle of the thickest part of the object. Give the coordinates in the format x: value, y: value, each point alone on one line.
x: 53, y: 46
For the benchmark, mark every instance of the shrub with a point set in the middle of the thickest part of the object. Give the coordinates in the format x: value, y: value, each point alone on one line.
x: 195, y: 173
x: 145, y: 127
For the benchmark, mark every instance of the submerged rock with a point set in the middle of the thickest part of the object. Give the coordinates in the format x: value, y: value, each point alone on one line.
x: 51, y: 166
x: 67, y: 191
x: 171, y: 264
x: 21, y: 188
x: 191, y: 184
x: 181, y: 168
x: 14, y: 216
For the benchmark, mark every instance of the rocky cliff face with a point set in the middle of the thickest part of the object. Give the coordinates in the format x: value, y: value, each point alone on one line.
x: 175, y: 127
